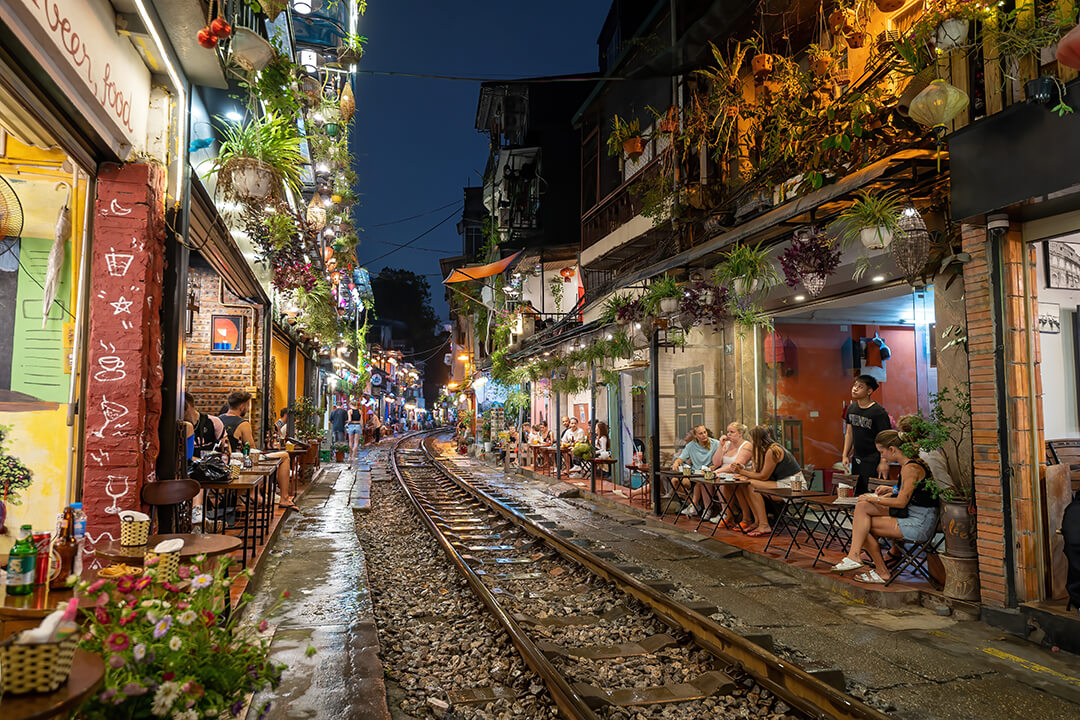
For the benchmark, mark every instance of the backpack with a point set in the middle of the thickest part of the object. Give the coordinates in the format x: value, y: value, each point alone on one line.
x: 1070, y: 531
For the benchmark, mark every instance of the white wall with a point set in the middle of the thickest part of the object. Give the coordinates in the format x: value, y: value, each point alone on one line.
x: 1058, y: 359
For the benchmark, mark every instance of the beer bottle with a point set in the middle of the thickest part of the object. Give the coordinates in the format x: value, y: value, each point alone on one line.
x: 65, y: 549
x: 22, y: 562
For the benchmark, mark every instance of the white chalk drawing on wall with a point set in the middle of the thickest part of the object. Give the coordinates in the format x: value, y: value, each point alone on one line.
x: 112, y: 412
x: 111, y: 491
x: 117, y: 209
x: 117, y: 264
x: 111, y: 369
x: 123, y: 305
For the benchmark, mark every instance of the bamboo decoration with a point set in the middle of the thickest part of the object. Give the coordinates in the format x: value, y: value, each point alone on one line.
x: 347, y: 104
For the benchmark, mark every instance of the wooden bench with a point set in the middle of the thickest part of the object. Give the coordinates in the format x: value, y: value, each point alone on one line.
x: 1065, y: 452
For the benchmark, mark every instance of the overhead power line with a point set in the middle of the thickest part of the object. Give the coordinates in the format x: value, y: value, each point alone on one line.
x: 406, y: 245
x: 414, y: 217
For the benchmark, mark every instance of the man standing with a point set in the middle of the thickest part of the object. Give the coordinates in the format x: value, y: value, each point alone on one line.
x: 239, y: 432
x: 864, y: 420
x: 337, y: 422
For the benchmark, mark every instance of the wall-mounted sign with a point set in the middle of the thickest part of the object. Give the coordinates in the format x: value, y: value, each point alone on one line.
x: 96, y: 68
x: 376, y: 380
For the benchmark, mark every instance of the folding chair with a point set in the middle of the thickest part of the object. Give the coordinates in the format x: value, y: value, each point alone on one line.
x: 914, y: 557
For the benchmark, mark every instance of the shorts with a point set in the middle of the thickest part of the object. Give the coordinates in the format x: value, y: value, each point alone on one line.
x: 786, y: 482
x: 354, y: 429
x: 339, y: 436
x: 920, y: 523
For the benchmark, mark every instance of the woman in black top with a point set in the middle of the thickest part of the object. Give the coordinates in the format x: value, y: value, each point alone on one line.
x: 774, y: 466
x: 355, y: 430
x: 910, y: 512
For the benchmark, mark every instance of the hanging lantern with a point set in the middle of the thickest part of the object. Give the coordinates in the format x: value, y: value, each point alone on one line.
x: 316, y: 212
x: 935, y: 106
x: 567, y: 273
x: 347, y: 103
x: 328, y: 254
x: 814, y: 283
x: 911, y: 245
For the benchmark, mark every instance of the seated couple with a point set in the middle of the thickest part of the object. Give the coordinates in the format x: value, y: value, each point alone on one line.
x: 906, y: 512
x: 738, y: 456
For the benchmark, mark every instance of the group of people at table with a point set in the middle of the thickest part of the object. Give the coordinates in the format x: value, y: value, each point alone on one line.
x: 755, y: 460
x: 573, y: 433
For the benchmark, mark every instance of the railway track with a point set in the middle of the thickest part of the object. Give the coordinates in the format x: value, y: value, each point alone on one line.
x: 601, y: 640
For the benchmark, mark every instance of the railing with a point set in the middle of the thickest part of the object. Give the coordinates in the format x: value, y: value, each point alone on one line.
x: 618, y: 208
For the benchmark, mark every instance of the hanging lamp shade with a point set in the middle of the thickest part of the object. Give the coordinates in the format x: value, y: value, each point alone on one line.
x: 347, y: 103
x: 911, y: 245
x: 316, y: 212
x: 937, y: 104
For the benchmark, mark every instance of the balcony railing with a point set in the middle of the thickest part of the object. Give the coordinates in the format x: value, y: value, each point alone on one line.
x: 618, y: 208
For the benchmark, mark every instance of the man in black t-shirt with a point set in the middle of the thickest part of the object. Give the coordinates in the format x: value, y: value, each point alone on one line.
x: 864, y: 420
x: 338, y: 418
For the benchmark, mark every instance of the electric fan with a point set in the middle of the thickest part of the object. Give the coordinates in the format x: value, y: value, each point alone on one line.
x: 11, y: 215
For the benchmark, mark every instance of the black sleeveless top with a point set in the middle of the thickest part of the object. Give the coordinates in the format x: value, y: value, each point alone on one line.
x: 787, y: 466
x: 355, y: 416
x: 920, y: 496
x: 231, y: 422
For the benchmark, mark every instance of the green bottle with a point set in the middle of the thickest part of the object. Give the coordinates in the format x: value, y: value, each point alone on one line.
x: 22, y: 562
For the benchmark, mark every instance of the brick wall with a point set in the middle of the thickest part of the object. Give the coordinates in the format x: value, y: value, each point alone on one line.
x: 123, y: 400
x: 987, y: 422
x: 211, y: 377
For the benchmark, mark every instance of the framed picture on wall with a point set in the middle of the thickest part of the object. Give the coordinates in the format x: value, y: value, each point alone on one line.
x: 227, y: 334
x: 1062, y: 260
x: 1049, y: 318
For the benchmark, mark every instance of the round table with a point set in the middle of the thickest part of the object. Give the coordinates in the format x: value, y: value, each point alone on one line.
x: 87, y: 674
x: 194, y: 544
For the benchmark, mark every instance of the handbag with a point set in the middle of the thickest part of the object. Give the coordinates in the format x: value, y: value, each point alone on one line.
x: 209, y: 470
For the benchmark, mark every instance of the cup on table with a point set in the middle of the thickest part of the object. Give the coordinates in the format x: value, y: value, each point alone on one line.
x: 687, y: 470
x: 255, y: 455
x: 844, y: 491
x: 798, y: 485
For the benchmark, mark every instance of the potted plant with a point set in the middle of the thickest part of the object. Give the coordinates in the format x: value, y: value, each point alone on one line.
x: 662, y: 297
x: 485, y: 435
x: 810, y: 258
x: 889, y: 6
x: 762, y: 65
x: 872, y: 219
x: 619, y: 309
x: 339, y: 450
x: 820, y: 60
x: 350, y: 49
x: 257, y: 157
x: 625, y: 138
x: 746, y: 270
x: 173, y: 647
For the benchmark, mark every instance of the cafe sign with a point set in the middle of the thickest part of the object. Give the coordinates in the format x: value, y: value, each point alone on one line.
x: 94, y: 66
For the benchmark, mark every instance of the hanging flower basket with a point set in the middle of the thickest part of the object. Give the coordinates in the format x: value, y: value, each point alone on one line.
x: 762, y: 63
x: 875, y: 238
x: 250, y: 178
x: 633, y: 147
x: 273, y: 8
x: 810, y: 258
x: 951, y: 34
x: 814, y: 283
x: 855, y: 39
x: 743, y: 288
x: 669, y: 305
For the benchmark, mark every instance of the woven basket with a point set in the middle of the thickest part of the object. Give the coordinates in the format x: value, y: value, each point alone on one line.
x: 134, y: 532
x: 36, y: 668
x: 168, y: 563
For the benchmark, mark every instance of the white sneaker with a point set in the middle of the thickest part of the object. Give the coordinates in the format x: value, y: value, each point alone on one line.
x: 196, y: 515
x: 689, y: 511
x: 715, y: 518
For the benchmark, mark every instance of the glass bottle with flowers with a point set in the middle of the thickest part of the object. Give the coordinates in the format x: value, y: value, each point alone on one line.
x: 173, y: 647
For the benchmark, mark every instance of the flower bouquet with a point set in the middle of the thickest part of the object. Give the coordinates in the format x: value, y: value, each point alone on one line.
x: 174, y: 650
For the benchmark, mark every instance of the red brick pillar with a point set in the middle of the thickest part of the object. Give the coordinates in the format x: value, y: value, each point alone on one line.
x: 123, y: 400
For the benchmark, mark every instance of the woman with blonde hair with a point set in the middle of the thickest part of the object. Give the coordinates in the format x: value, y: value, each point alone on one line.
x: 734, y: 448
x: 774, y: 466
x: 909, y: 512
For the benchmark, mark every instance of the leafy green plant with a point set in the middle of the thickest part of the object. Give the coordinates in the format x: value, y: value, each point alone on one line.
x: 621, y: 131
x: 945, y: 430
x: 305, y: 414
x: 617, y: 307
x: 662, y: 287
x: 867, y: 212
x: 15, y: 477
x: 556, y: 287
x: 339, y: 447
x: 748, y: 316
x: 271, y: 139
x: 752, y: 265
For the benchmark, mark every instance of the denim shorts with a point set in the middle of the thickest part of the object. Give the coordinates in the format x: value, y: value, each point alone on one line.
x: 354, y: 429
x: 919, y: 524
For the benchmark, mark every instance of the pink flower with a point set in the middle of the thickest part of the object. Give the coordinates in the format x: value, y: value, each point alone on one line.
x: 117, y: 661
x: 118, y: 642
x: 126, y: 585
x: 263, y: 625
x: 210, y: 617
x: 167, y: 677
x: 130, y: 617
x: 103, y: 599
x: 184, y: 571
x: 141, y: 583
x: 132, y: 689
x: 170, y: 587
x: 183, y: 605
x: 101, y: 615
x: 95, y: 586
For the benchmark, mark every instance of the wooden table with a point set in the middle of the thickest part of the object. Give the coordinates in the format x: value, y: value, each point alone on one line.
x: 87, y: 674
x: 254, y: 486
x: 545, y: 458
x: 643, y: 471
x: 678, y: 491
x: 792, y: 515
x: 194, y: 544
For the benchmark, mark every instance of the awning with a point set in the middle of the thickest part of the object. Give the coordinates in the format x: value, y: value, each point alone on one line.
x: 479, y: 272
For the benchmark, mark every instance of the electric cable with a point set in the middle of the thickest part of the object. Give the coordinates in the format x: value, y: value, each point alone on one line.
x: 406, y: 245
x: 414, y: 217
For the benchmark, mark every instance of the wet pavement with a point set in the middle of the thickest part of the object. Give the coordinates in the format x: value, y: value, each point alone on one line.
x: 318, y: 560
x: 910, y: 661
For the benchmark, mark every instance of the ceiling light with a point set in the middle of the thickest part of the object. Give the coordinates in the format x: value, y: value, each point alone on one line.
x: 800, y: 298
x: 234, y: 116
x: 308, y: 59
x: 878, y: 278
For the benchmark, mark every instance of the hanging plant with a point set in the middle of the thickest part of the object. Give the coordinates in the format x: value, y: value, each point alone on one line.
x: 810, y: 258
x: 662, y: 297
x: 625, y: 138
x: 871, y: 219
x: 746, y: 270
x: 257, y: 157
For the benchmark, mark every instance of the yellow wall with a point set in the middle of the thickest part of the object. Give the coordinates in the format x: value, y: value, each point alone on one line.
x: 39, y: 434
x: 301, y: 364
x: 280, y: 352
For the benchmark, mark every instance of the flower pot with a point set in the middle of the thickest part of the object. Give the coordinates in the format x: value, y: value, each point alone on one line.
x: 855, y: 39
x: 875, y: 238
x: 814, y: 283
x: 273, y: 8
x: 762, y: 63
x: 951, y: 33
x: 487, y: 446
x: 958, y: 525
x: 743, y: 287
x: 838, y: 21
x: 251, y: 178
x: 339, y: 456
x: 633, y: 147
x: 889, y: 6
x: 1042, y: 90
x: 820, y: 66
x: 669, y: 305
x: 961, y: 577
x: 333, y: 129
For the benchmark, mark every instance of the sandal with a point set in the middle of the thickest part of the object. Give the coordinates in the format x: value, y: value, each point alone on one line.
x: 870, y: 578
x: 759, y: 533
x: 847, y: 565
x: 289, y: 506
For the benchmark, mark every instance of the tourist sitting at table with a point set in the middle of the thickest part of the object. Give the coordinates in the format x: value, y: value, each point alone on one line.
x: 734, y: 448
x: 699, y: 453
x: 603, y: 441
x: 238, y: 430
x: 572, y: 435
x: 281, y: 427
x: 775, y: 467
x: 545, y: 435
x: 907, y: 512
x: 207, y: 430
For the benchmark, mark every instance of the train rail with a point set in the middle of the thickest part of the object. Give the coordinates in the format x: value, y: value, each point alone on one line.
x: 513, y: 564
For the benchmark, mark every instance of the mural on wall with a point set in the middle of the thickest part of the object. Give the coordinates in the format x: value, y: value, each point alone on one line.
x: 15, y: 477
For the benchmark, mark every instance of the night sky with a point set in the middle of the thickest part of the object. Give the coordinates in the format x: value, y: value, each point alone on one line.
x: 416, y: 146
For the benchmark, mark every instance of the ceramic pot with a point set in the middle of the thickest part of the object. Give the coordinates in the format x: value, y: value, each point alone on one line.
x: 1042, y: 90
x: 762, y: 63
x: 820, y: 66
x: 958, y: 525
x: 889, y: 6
x: 633, y: 147
x: 339, y: 456
x: 669, y: 305
x: 961, y: 577
x: 742, y: 287
x: 950, y: 34
x: 252, y: 179
x: 875, y: 238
